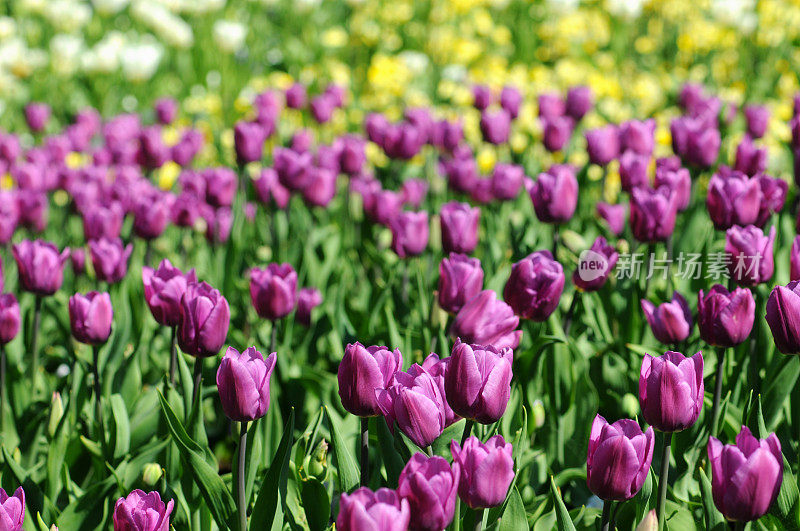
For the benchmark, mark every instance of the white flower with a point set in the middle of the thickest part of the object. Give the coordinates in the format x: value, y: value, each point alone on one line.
x: 626, y: 8
x: 109, y: 7
x: 737, y: 13
x: 104, y: 56
x: 65, y: 53
x: 8, y: 28
x: 67, y: 15
x: 140, y: 60
x: 171, y: 28
x: 229, y: 35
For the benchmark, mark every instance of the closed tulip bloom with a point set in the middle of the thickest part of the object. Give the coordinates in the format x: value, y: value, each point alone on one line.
x: 220, y: 186
x: 375, y: 125
x: 633, y: 168
x: 364, y: 510
x: 33, y: 209
x: 671, y: 390
x: 204, y: 322
x: 166, y: 110
x: 671, y: 322
x: 703, y: 147
x: 270, y: 190
x: 551, y: 104
x: 430, y: 485
x: 751, y: 255
x: 103, y: 221
x: 248, y: 140
x: 725, y: 318
x: 460, y: 279
x: 459, y: 224
x: 495, y: 126
x: 414, y: 192
x: 482, y: 97
x: 383, y: 206
x: 750, y: 159
x: 557, y: 132
x: 447, y: 135
x: 151, y: 214
x: 296, y: 96
x: 90, y: 317
x: 745, y: 477
x: 321, y: 187
x: 243, y: 383
x: 783, y: 316
x: 40, y: 266
x: 481, y: 191
x: 580, y: 101
x: 218, y: 223
x: 37, y: 115
x: 773, y: 197
x: 461, y: 171
x: 141, y: 511
x: 638, y: 136
x: 273, y: 291
x: 337, y: 93
x: 420, y: 118
x: 478, y: 381
x: 353, y: 155
x: 794, y: 259
x: 403, y: 141
x: 510, y: 100
x: 163, y: 289
x: 507, y: 181
x: 535, y: 285
x: 679, y: 181
x: 603, y: 144
x: 9, y: 215
x: 653, y: 214
x: 614, y: 216
x: 9, y: 318
x: 322, y: 107
x: 77, y: 258
x: 153, y: 152
x: 409, y: 233
x: 618, y: 458
x: 110, y: 259
x: 485, y: 320
x: 733, y: 199
x: 595, y: 266
x: 555, y: 194
x: 362, y: 371
x: 307, y: 300
x: 12, y: 510
x: 757, y: 117
x: 487, y: 470
x: 414, y: 402
x: 437, y: 368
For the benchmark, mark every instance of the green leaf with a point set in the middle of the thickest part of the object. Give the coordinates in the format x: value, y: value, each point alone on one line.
x: 316, y: 503
x: 392, y: 460
x: 122, y: 428
x: 441, y: 446
x: 714, y: 519
x: 266, y: 507
x: 785, y: 507
x: 214, y: 491
x: 514, y: 516
x: 563, y: 519
x: 778, y: 390
x: 348, y: 472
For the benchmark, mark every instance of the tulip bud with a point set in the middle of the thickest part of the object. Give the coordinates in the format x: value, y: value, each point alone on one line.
x: 671, y: 322
x: 487, y: 470
x: 783, y: 314
x: 110, y: 259
x: 460, y: 279
x: 317, y: 462
x: 555, y: 194
x: 633, y: 168
x: 362, y: 371
x: 56, y: 413
x: 679, y: 181
x: 614, y: 216
x: 618, y: 458
x: 649, y: 522
x: 166, y: 110
x: 603, y: 144
x: 415, y: 404
x: 751, y: 256
x: 37, y: 115
x: 484, y: 320
x: 204, y: 321
x: 364, y: 510
x: 296, y: 96
x: 745, y: 477
x: 733, y: 199
x: 243, y: 383
x: 40, y: 266
x: 495, y: 126
x: 478, y: 381
x: 12, y: 509
x: 409, y: 233
x: 140, y: 512
x: 653, y: 214
x: 9, y: 318
x: 538, y: 413
x: 534, y: 287
x: 595, y: 265
x: 307, y: 300
x: 430, y: 486
x: 151, y: 474
x: 103, y: 221
x: 506, y: 181
x: 773, y: 197
x: 482, y: 97
x: 750, y: 159
x: 725, y: 318
x: 163, y: 289
x: 579, y: 102
x: 671, y: 390
x: 551, y: 105
x: 757, y: 117
x: 77, y: 258
x: 557, y: 132
x: 90, y: 317
x: 273, y: 291
x: 459, y: 224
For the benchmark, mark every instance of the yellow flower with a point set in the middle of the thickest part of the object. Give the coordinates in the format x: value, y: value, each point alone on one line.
x: 75, y: 160
x: 486, y: 159
x: 168, y: 174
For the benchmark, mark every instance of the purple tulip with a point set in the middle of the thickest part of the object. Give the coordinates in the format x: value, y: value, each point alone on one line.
x: 273, y: 291
x: 353, y: 155
x: 12, y: 510
x: 40, y: 266
x: 603, y: 144
x: 725, y: 318
x: 751, y: 255
x: 153, y: 152
x: 580, y: 101
x: 690, y: 95
x: 320, y: 188
x: 671, y: 390
x: 9, y: 318
x: 481, y: 191
x: 420, y: 118
x: 773, y: 197
x: 510, y: 100
x: 633, y: 168
x: 555, y: 194
x: 461, y: 171
x: 296, y: 96
x: 535, y: 285
x: 487, y: 470
x: 362, y: 371
x: 142, y: 511
x: 618, y: 458
x: 90, y: 317
x: 430, y: 486
x: 414, y: 402
x: 783, y: 316
x: 189, y: 145
x: 671, y: 322
x: 322, y: 107
x: 403, y: 141
x: 794, y: 259
x: 307, y: 300
x: 551, y: 105
x: 110, y: 259
x: 77, y: 258
x: 218, y: 223
x: 750, y: 159
x: 375, y: 125
x: 383, y: 206
x: 364, y: 510
x: 268, y: 106
x: 103, y: 221
x: 37, y: 115
x: 495, y: 126
x: 204, y: 322
x: 460, y: 279
x: 482, y: 97
x: 459, y: 224
x: 447, y: 135
x: 653, y: 214
x: 557, y: 132
x: 151, y: 214
x: 269, y: 189
x: 248, y: 139
x: 414, y: 192
x: 595, y: 266
x: 163, y: 289
x: 243, y: 384
x: 220, y: 186
x: 437, y: 368
x: 745, y: 477
x: 614, y: 216
x: 166, y: 110
x: 9, y: 215
x: 638, y: 136
x: 679, y: 181
x: 703, y: 146
x: 409, y: 233
x: 733, y: 199
x: 757, y: 118
x: 507, y: 181
x: 33, y: 209
x: 337, y: 93
x: 485, y: 320
x: 478, y: 381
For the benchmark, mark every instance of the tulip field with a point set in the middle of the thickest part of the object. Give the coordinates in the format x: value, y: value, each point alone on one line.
x: 377, y: 265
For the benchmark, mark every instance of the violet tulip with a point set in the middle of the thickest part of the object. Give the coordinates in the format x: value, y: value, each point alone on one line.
x: 671, y: 390
x: 307, y: 300
x: 495, y: 126
x: 551, y: 105
x: 614, y: 216
x: 459, y: 224
x: 725, y: 318
x: 557, y: 132
x: 510, y: 100
x: 783, y: 316
x: 595, y: 265
x: 757, y: 118
x: 580, y: 101
x: 9, y: 318
x: 409, y: 233
x: 679, y: 181
x: 507, y: 181
x: 535, y: 285
x: 248, y: 140
x: 37, y: 115
x: 750, y: 253
x: 166, y: 110
x: 437, y: 368
x: 273, y: 291
x: 163, y: 289
x: 773, y: 197
x: 482, y: 97
x: 110, y: 259
x: 794, y: 259
x: 12, y: 510
x: 478, y: 381
x: 603, y: 144
x: 90, y: 317
x: 653, y: 214
x: 204, y: 322
x: 243, y: 383
x: 638, y: 136
x: 733, y: 199
x: 633, y: 168
x: 141, y: 511
x: 555, y: 194
x: 671, y: 322
x: 296, y: 96
x: 362, y: 371
x: 151, y: 214
x: 750, y: 159
x: 40, y: 266
x: 487, y: 470
x: 415, y: 404
x: 485, y: 320
x: 430, y: 485
x: 103, y: 221
x: 618, y: 458
x: 364, y: 510
x: 460, y: 279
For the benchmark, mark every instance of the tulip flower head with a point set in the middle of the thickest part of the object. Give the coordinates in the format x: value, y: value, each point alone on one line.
x: 362, y: 371
x: 430, y: 485
x: 40, y: 266
x: 12, y: 510
x: 91, y: 317
x: 460, y: 279
x: 141, y: 511
x: 725, y: 318
x: 671, y: 390
x: 243, y: 383
x: 364, y: 510
x: 535, y: 286
x: 478, y: 381
x: 163, y: 289
x: 485, y: 320
x: 273, y: 290
x: 618, y: 458
x: 671, y: 322
x: 204, y: 321
x: 487, y: 470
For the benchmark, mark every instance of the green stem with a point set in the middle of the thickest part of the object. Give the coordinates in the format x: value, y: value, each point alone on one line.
x: 605, y: 524
x: 240, y: 483
x: 198, y: 380
x: 98, y: 406
x: 364, y: 451
x: 173, y: 358
x: 2, y: 386
x: 37, y: 319
x: 718, y: 390
x: 663, y: 480
x: 479, y: 519
x: 467, y: 431
x: 571, y: 312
